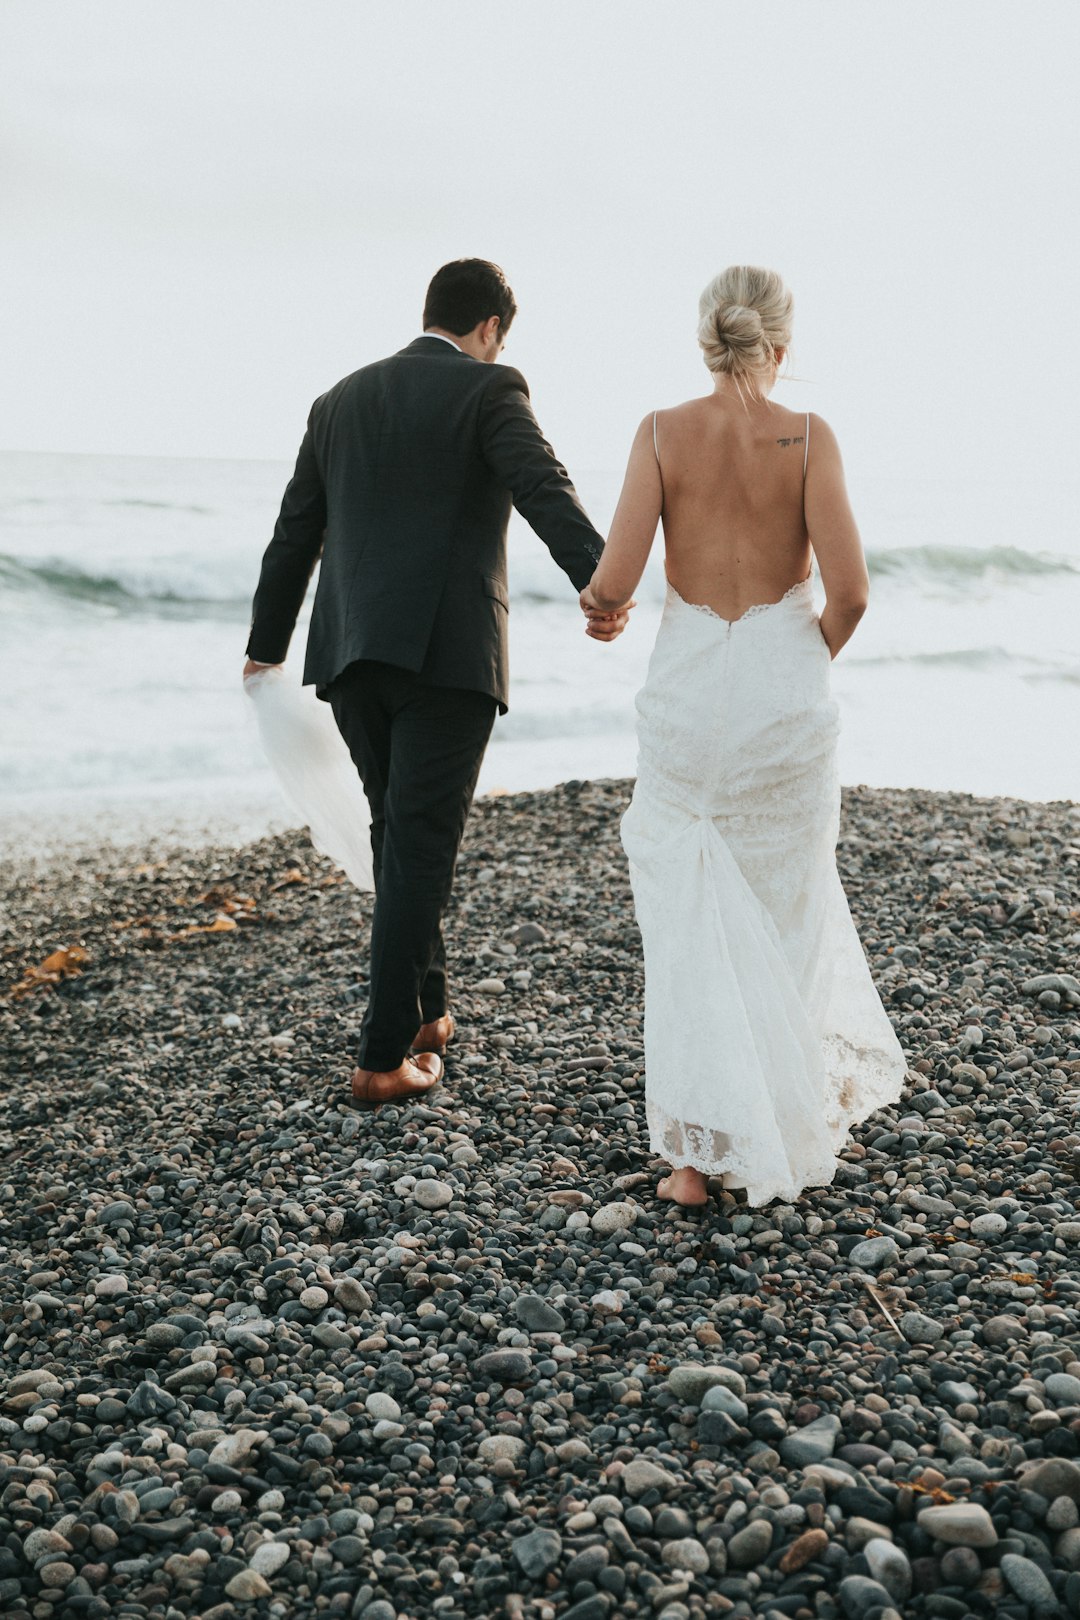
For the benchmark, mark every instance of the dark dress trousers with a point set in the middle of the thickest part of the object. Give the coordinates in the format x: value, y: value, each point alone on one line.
x: 403, y: 486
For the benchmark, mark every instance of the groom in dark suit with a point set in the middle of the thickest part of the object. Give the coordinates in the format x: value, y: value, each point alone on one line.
x: 403, y: 485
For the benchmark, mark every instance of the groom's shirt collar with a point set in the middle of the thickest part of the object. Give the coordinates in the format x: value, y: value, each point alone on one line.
x: 442, y: 339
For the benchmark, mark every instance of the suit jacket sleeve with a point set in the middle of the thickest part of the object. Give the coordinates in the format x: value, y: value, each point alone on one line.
x: 524, y: 462
x: 289, y: 560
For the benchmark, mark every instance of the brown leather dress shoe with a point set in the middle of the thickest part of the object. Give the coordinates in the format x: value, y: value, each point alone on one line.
x: 433, y: 1037
x: 412, y: 1078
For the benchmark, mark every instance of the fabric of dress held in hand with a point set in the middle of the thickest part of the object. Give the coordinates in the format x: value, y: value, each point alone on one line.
x: 765, y: 1038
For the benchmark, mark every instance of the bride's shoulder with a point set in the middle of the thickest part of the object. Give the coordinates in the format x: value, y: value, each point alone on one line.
x: 686, y: 410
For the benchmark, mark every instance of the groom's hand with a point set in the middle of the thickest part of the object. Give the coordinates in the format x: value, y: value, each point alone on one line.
x: 252, y: 667
x: 604, y: 624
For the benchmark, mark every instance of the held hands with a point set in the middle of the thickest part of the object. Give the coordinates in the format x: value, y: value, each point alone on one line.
x: 604, y: 624
x: 254, y: 668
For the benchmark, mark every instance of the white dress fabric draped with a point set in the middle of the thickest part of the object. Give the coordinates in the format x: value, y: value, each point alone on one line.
x: 314, y: 769
x: 765, y: 1038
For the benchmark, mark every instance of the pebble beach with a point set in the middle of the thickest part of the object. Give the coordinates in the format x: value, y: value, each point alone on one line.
x: 263, y: 1354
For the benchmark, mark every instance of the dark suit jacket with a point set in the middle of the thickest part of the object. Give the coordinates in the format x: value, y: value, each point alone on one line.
x: 404, y: 484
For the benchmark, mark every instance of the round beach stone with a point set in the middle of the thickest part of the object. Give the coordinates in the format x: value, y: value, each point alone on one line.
x: 430, y: 1194
x: 1031, y: 1586
x: 961, y: 1566
x: 505, y: 1366
x: 685, y: 1553
x: 537, y: 1552
x: 750, y: 1545
x: 920, y: 1329
x: 689, y: 1382
x: 501, y: 1448
x: 721, y: 1398
x: 811, y: 1444
x: 247, y: 1586
x: 641, y: 1475
x: 961, y: 1524
x: 889, y: 1566
x: 804, y: 1550
x: 58, y: 1574
x: 874, y: 1253
x: 858, y: 1595
x: 1002, y: 1330
x: 1062, y: 1388
x: 381, y: 1405
x: 1062, y: 1514
x: 268, y: 1557
x: 537, y: 1316
x: 616, y: 1217
x: 1054, y: 1476
x: 111, y: 1286
x: 352, y: 1296
x: 42, y: 1541
x: 232, y: 1449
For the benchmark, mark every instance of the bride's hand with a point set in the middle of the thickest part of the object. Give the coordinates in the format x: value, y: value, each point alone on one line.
x: 604, y: 624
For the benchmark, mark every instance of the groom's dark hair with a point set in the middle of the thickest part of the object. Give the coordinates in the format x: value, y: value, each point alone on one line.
x: 466, y: 292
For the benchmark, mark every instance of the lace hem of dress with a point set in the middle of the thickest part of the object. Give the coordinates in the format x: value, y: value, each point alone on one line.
x: 737, y: 1160
x: 748, y: 613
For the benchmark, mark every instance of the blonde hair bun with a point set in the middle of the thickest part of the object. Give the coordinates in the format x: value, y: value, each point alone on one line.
x: 745, y: 316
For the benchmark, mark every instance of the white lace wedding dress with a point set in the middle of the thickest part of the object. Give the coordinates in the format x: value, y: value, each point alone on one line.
x: 765, y: 1038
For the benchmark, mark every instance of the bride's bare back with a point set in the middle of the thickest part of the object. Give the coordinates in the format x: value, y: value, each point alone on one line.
x: 732, y: 477
x: 747, y: 497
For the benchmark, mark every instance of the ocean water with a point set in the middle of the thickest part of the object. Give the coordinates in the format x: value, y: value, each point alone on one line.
x: 125, y: 596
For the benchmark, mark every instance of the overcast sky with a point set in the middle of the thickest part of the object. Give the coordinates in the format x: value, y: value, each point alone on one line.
x: 212, y: 212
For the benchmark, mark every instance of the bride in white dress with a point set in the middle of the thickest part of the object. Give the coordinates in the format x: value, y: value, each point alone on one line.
x: 765, y: 1039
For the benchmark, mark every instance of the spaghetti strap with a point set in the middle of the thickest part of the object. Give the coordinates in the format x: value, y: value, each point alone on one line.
x: 806, y: 444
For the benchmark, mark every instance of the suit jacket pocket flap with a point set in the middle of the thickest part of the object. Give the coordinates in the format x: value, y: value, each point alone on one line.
x: 495, y: 587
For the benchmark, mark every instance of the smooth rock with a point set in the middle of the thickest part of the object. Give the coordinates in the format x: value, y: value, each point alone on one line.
x: 536, y: 1315
x: 615, y: 1217
x: 433, y: 1194
x: 1029, y: 1583
x: 381, y: 1405
x: 960, y: 1524
x: 641, y: 1475
x: 803, y: 1550
x: 686, y: 1553
x: 248, y: 1585
x: 505, y: 1366
x: 500, y: 1448
x: 811, y: 1444
x: 1063, y: 1389
x: 232, y: 1449
x: 890, y: 1567
x: 858, y: 1596
x: 1054, y: 1476
x: 689, y: 1381
x: 719, y: 1398
x: 875, y: 1252
x: 268, y: 1557
x: 920, y: 1329
x: 750, y: 1545
x: 537, y: 1552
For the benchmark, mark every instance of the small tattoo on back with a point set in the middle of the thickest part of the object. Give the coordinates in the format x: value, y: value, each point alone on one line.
x: 799, y: 439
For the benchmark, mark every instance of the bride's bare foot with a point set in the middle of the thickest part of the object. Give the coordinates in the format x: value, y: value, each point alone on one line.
x: 685, y: 1186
